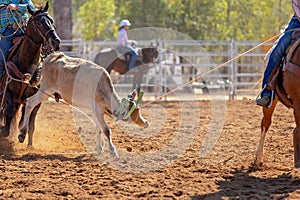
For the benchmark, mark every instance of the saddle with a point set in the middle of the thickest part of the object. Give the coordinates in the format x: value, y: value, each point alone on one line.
x: 13, y: 70
x: 276, y: 78
x: 122, y: 53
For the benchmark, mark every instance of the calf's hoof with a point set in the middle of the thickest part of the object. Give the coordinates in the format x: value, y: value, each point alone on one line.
x: 147, y: 124
x: 114, y: 155
x: 256, y: 165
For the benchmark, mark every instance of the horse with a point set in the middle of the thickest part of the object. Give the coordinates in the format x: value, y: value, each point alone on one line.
x: 23, y: 60
x: 110, y: 60
x: 285, y: 80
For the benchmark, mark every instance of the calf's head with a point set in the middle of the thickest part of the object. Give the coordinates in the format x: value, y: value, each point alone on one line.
x: 138, y: 119
x: 130, y: 111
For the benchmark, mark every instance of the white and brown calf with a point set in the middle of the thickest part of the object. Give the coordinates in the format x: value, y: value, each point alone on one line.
x: 80, y: 83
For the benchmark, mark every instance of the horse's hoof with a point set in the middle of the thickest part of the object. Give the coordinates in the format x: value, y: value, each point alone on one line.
x: 30, y: 147
x: 21, y: 138
x: 297, y: 165
x: 3, y: 132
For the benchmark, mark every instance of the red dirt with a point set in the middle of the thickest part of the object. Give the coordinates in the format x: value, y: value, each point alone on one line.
x: 58, y: 168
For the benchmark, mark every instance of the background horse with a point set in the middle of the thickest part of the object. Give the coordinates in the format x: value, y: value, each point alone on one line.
x: 288, y: 92
x: 23, y: 60
x: 111, y: 61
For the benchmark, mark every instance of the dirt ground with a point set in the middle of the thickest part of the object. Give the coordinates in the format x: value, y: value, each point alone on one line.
x: 160, y: 162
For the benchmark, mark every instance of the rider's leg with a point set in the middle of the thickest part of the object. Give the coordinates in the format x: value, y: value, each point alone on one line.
x: 132, y: 61
x: 133, y: 56
x: 277, y: 52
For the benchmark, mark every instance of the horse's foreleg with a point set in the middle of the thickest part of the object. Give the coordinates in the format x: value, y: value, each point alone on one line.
x: 265, y: 124
x: 31, y: 127
x: 134, y: 83
x: 137, y: 81
x: 32, y: 105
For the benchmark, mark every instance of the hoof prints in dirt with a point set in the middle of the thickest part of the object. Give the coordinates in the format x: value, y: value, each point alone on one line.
x: 222, y: 174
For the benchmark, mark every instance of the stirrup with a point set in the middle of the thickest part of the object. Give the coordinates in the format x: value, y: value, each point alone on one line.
x: 271, y: 97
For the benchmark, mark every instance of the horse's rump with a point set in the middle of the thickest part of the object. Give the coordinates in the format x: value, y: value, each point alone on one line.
x: 280, y: 91
x: 276, y: 79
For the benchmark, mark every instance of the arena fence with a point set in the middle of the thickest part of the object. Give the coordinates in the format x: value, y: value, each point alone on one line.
x: 183, y: 60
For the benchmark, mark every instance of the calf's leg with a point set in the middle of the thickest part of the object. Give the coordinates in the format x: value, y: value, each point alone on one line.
x: 101, y: 123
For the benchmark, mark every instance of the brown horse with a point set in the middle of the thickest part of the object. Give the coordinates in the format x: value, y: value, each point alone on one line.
x: 288, y: 92
x: 110, y: 60
x: 23, y: 60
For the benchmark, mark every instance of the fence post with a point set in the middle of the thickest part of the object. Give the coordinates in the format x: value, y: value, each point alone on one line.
x: 161, y: 84
x: 81, y: 45
x: 232, y: 83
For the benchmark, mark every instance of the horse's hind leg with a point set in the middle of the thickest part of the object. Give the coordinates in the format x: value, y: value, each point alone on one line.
x: 9, y: 112
x: 265, y: 124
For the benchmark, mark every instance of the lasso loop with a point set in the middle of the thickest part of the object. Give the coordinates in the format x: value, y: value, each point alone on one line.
x: 16, y: 21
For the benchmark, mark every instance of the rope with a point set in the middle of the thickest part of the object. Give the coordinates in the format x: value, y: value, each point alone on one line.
x: 67, y: 104
x: 8, y: 79
x: 19, y: 26
x: 212, y: 70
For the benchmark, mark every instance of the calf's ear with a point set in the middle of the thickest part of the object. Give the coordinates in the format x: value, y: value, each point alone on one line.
x: 133, y: 95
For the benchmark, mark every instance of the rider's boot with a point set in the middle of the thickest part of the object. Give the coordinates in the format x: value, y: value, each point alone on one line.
x: 263, y: 101
x: 265, y: 98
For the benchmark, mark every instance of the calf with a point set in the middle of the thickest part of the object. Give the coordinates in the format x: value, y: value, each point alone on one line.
x: 82, y: 83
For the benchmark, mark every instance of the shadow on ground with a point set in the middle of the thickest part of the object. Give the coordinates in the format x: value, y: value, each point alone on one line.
x: 244, y: 186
